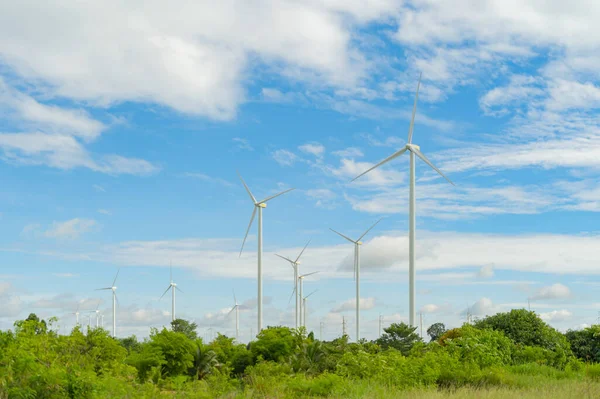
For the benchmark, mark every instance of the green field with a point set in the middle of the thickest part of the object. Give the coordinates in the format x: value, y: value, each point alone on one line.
x: 508, y: 355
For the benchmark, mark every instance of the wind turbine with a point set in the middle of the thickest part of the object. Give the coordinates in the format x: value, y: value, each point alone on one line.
x: 172, y: 286
x: 357, y: 245
x: 236, y: 307
x: 300, y: 280
x: 413, y: 150
x: 114, y: 301
x: 258, y: 205
x: 76, y: 313
x: 304, y: 305
x: 97, y: 313
x: 295, y: 264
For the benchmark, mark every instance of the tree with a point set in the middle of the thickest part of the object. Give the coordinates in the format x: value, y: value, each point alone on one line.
x: 399, y: 336
x: 177, y: 350
x: 185, y: 327
x: 274, y: 343
x: 205, y: 360
x: 525, y: 328
x: 585, y: 343
x: 435, y: 331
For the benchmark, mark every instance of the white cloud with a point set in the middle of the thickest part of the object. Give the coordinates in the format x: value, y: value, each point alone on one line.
x: 483, y: 307
x: 555, y: 291
x: 316, y: 149
x: 430, y: 308
x: 325, y: 198
x: 350, y: 152
x: 486, y: 271
x: 284, y: 157
x: 350, y: 304
x: 98, y: 188
x: 70, y: 229
x: 211, y: 179
x: 11, y: 304
x: 242, y: 144
x: 556, y: 315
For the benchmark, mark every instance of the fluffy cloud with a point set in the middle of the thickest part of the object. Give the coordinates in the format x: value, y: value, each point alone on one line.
x: 486, y: 271
x: 556, y: 315
x: 284, y: 157
x: 555, y: 291
x: 350, y: 304
x: 316, y: 149
x: 70, y: 229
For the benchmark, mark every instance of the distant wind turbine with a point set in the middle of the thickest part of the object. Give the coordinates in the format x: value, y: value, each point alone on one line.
x: 414, y: 150
x: 295, y: 264
x: 76, y: 313
x: 172, y: 286
x: 304, y: 305
x: 97, y: 312
x: 236, y: 307
x: 357, y: 245
x: 300, y: 283
x: 114, y: 302
x: 258, y: 205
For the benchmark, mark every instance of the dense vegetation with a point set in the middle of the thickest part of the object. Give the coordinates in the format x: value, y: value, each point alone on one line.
x: 514, y: 350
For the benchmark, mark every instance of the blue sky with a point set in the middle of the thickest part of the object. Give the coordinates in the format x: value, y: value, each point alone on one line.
x: 122, y: 129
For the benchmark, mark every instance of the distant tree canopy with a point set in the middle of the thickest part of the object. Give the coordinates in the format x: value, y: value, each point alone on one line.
x: 435, y: 331
x: 399, y: 336
x: 585, y: 343
x: 185, y: 327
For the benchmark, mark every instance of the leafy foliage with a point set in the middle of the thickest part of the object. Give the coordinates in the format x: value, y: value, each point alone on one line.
x: 435, y: 331
x: 399, y: 336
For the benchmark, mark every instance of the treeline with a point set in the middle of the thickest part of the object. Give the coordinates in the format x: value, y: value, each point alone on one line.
x: 36, y: 362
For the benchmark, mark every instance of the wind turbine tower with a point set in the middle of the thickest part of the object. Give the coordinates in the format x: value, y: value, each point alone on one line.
x: 357, y: 245
x: 300, y: 283
x: 304, y: 306
x: 113, y: 288
x: 172, y: 286
x: 414, y: 150
x: 236, y: 307
x: 295, y: 264
x: 258, y: 205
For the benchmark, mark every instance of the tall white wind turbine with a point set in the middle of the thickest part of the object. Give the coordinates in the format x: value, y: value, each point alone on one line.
x: 236, y: 307
x: 258, y: 205
x: 304, y: 306
x: 413, y: 150
x: 357, y: 245
x: 295, y: 264
x: 172, y: 286
x: 300, y: 285
x: 97, y: 312
x: 114, y: 302
x: 76, y: 313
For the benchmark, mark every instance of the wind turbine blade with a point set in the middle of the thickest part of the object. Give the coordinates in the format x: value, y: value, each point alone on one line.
x: 369, y: 229
x: 343, y: 236
x: 117, y: 299
x: 247, y: 188
x: 308, y: 274
x: 276, y: 195
x: 311, y: 294
x: 428, y: 162
x: 412, y: 119
x: 283, y: 257
x: 232, y: 309
x: 167, y: 290
x: 394, y: 155
x: 298, y: 258
x: 234, y: 298
x: 115, y: 280
x: 248, y: 230
x: 178, y: 289
x: 171, y: 271
x: 102, y: 289
x: 98, y: 306
x: 291, y: 296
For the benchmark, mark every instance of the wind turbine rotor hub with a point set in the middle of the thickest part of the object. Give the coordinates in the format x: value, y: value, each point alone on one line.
x: 358, y: 242
x: 262, y: 205
x: 411, y: 146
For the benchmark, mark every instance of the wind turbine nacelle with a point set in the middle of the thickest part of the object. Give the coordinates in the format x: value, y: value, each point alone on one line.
x: 262, y: 205
x: 359, y: 242
x: 416, y: 147
x: 297, y: 263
